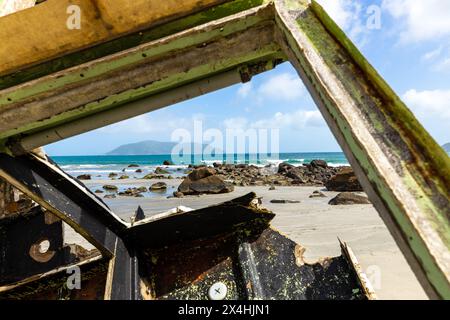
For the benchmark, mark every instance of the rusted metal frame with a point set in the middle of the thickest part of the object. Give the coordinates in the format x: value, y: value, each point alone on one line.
x: 202, y: 223
x: 20, y: 237
x: 58, y: 193
x: 273, y: 267
x: 366, y: 118
x: 123, y: 279
x: 185, y: 263
x: 138, y: 73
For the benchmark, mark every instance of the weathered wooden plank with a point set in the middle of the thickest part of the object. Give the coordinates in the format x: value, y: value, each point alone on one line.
x: 126, y: 42
x: 404, y: 171
x: 99, y: 21
x: 154, y: 67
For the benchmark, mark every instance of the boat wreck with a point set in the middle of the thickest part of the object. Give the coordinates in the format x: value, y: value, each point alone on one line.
x: 126, y: 58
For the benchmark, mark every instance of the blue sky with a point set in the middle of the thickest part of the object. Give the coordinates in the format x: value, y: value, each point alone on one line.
x: 410, y: 48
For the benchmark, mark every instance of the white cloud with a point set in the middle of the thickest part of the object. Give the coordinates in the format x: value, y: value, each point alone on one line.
x: 443, y: 65
x: 348, y: 15
x: 339, y: 10
x: 285, y: 86
x: 236, y: 123
x: 296, y: 120
x: 424, y: 20
x: 432, y: 55
x: 429, y: 103
x: 152, y: 123
x: 244, y: 90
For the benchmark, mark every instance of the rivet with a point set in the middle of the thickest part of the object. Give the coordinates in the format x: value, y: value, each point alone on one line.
x: 218, y: 291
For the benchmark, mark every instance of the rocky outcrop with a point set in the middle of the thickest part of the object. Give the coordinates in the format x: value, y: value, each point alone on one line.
x: 319, y: 164
x: 158, y: 186
x: 84, y: 177
x: 348, y: 198
x: 204, y: 181
x: 153, y: 176
x: 344, y: 180
x: 160, y: 170
x: 178, y: 194
x: 283, y: 201
x: 133, y: 165
x: 168, y: 163
x: 317, y: 194
x: 110, y: 187
x: 315, y: 173
x: 131, y: 192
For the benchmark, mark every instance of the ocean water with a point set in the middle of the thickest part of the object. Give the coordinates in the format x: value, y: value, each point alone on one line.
x: 100, y: 166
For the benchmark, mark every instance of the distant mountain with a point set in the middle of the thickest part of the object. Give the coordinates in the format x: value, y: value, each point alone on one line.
x: 148, y: 147
x: 446, y: 147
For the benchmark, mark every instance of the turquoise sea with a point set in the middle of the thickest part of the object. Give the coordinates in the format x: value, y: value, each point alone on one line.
x: 101, y: 166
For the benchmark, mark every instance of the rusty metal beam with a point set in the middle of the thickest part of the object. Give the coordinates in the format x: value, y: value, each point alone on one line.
x: 55, y: 191
x: 404, y: 171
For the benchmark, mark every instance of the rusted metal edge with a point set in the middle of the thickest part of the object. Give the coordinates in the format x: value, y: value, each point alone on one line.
x: 71, y: 202
x: 362, y: 277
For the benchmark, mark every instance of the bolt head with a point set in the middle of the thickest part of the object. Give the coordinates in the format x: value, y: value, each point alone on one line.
x: 218, y: 291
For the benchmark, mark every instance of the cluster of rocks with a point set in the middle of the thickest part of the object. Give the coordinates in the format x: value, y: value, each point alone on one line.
x: 203, y: 180
x: 316, y: 173
x: 132, y: 192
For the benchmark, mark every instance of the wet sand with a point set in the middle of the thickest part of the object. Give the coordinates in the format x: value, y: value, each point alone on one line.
x: 312, y: 223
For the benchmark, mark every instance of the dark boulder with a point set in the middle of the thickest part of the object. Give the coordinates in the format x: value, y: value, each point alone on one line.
x: 203, y: 181
x: 317, y: 194
x: 168, y: 163
x: 295, y: 173
x: 319, y: 164
x: 110, y: 187
x: 348, y: 198
x: 160, y: 170
x: 133, y: 165
x: 84, y: 177
x: 178, y: 194
x: 158, y: 186
x: 284, y: 201
x: 344, y: 180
